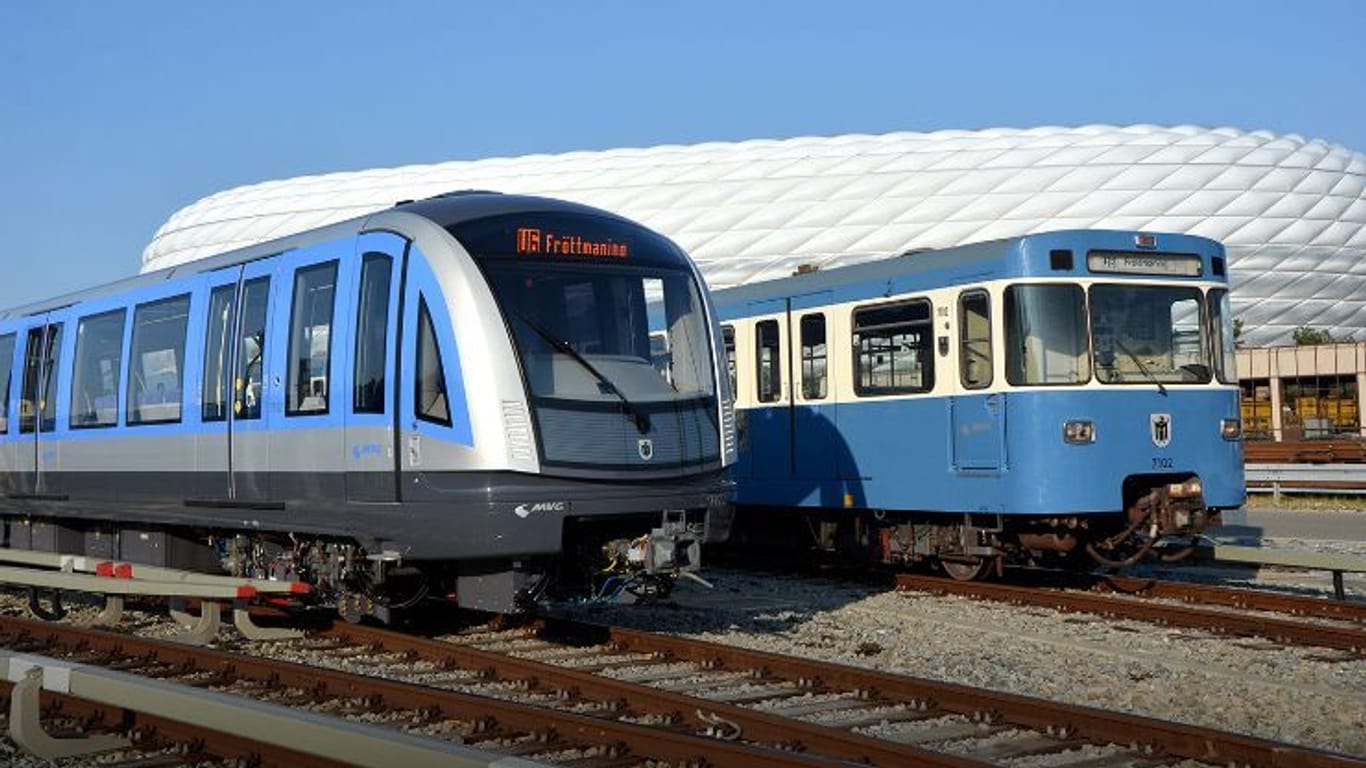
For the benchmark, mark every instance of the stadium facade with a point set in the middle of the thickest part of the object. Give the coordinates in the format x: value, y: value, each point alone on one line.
x: 1292, y: 211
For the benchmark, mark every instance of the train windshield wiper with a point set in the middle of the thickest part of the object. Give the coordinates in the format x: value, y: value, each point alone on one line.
x: 641, y: 420
x: 1141, y: 367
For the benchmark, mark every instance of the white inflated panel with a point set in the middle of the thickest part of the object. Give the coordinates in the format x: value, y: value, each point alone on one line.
x: 1291, y: 211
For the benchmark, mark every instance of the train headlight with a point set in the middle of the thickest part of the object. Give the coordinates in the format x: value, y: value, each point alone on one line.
x: 1231, y: 429
x: 1079, y: 431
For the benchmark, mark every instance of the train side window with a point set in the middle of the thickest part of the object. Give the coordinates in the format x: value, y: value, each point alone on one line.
x: 40, y: 356
x: 974, y: 337
x: 728, y: 342
x: 217, y: 385
x: 310, y: 339
x: 6, y: 375
x: 892, y: 349
x: 156, y: 361
x: 813, y: 357
x: 770, y: 378
x: 372, y: 333
x: 248, y: 389
x: 431, y: 403
x: 99, y: 366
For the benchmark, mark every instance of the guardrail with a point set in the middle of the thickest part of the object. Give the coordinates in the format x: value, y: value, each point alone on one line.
x: 1331, y: 479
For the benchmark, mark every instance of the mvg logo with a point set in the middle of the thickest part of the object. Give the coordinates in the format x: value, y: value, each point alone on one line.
x: 528, y: 240
x: 525, y: 510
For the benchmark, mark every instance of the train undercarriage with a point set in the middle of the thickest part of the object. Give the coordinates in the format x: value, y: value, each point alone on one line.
x: 641, y: 553
x: 1164, y: 518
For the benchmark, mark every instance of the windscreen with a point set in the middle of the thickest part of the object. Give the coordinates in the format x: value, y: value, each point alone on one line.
x: 1149, y: 333
x: 576, y: 289
x: 583, y: 331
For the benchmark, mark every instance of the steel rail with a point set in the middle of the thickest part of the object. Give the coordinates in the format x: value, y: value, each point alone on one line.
x: 1233, y: 597
x: 1352, y: 639
x: 1054, y: 718
x: 696, y: 713
x: 550, y: 730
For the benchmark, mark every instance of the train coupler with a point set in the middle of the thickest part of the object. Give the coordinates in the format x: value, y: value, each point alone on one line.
x: 1173, y: 509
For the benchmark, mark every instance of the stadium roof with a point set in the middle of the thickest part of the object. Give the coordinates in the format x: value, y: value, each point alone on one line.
x: 1291, y: 211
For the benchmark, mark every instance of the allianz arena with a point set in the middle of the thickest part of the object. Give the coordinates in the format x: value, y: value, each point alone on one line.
x: 1292, y: 211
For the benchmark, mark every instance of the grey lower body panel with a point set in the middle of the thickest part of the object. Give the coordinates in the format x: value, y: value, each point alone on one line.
x: 442, y: 516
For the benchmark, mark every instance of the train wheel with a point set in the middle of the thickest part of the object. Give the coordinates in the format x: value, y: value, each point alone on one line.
x: 968, y: 570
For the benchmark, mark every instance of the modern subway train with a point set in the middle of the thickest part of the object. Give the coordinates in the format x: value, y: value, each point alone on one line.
x: 1055, y: 397
x: 452, y: 397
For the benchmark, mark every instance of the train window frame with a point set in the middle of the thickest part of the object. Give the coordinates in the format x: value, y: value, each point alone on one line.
x: 965, y: 342
x: 38, y: 385
x: 1007, y: 296
x: 429, y: 367
x: 10, y: 341
x: 110, y: 368
x: 925, y: 346
x: 368, y: 390
x: 137, y: 356
x: 809, y: 357
x: 216, y: 395
x: 732, y: 368
x: 1223, y: 347
x: 306, y: 398
x: 247, y: 405
x: 774, y: 391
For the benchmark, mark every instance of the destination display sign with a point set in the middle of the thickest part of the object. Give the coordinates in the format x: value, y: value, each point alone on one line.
x: 534, y: 241
x: 561, y: 237
x: 1128, y: 263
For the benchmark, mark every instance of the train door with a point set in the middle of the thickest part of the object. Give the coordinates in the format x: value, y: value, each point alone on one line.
x: 977, y: 417
x: 815, y: 446
x: 371, y: 407
x: 233, y: 451
x: 37, y: 454
x: 770, y: 422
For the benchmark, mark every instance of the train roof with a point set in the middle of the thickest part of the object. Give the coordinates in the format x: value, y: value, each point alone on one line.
x: 444, y: 210
x: 965, y: 259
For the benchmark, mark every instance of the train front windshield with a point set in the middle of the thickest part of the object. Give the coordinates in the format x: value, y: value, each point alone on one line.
x: 583, y: 333
x: 1138, y: 334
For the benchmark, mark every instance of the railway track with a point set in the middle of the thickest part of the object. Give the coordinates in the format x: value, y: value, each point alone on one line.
x: 849, y: 714
x: 1135, y: 598
x: 573, y: 735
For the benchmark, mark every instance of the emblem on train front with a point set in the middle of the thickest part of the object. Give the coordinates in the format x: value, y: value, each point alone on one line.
x: 646, y: 448
x: 1161, y: 424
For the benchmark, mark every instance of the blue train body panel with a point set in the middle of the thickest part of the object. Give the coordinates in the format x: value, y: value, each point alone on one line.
x: 948, y: 442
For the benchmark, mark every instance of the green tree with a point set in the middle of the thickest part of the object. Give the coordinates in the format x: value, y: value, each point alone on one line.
x: 1306, y: 336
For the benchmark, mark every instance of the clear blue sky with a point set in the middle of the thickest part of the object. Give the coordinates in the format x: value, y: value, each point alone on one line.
x: 113, y: 115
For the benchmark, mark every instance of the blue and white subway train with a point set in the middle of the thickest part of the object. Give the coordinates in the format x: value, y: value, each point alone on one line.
x: 1033, y: 399
x: 454, y: 396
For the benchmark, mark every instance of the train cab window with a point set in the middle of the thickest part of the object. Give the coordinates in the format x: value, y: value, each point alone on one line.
x: 310, y: 339
x: 372, y: 333
x: 770, y: 378
x: 813, y: 357
x: 974, y: 332
x: 1221, y: 324
x: 39, y: 411
x: 6, y: 374
x: 893, y: 349
x: 1149, y: 334
x: 99, y: 364
x: 431, y: 403
x: 156, y: 361
x: 1046, y: 342
x: 249, y: 386
x: 728, y: 341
